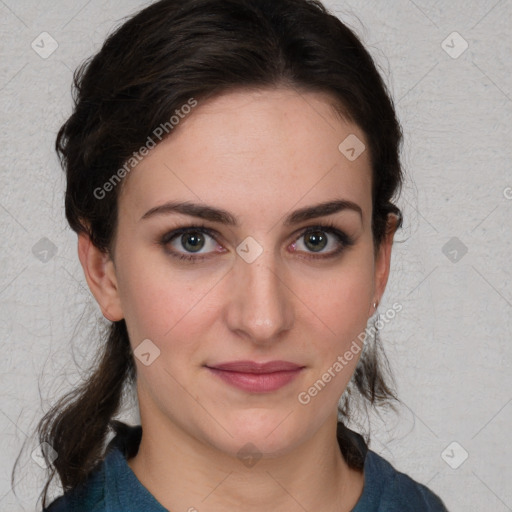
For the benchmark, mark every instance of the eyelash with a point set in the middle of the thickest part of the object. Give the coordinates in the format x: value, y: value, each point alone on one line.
x: 344, y: 240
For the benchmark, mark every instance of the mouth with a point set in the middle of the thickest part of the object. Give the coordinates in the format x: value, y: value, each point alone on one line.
x: 256, y: 377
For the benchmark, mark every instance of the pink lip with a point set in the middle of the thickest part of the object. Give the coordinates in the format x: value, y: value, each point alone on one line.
x: 257, y: 377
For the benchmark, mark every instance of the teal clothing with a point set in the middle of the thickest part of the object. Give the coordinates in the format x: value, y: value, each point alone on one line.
x: 113, y: 487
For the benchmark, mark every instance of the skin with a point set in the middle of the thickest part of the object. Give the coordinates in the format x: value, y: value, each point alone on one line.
x: 259, y: 155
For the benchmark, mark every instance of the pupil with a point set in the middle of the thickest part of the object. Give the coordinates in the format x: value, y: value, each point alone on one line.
x: 315, y: 238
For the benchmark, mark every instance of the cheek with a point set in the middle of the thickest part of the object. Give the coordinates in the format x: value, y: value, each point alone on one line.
x: 343, y: 311
x: 159, y: 303
x: 342, y: 301
x: 162, y: 303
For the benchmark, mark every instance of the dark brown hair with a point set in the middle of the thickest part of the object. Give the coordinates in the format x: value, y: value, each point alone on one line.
x: 169, y: 52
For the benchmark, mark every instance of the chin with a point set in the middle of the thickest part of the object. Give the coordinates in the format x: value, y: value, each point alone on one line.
x: 265, y: 432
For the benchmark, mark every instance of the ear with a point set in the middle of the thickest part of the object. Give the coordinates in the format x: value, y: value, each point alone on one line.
x: 383, y: 261
x: 100, y: 274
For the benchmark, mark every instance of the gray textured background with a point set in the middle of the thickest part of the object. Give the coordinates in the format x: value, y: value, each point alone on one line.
x: 450, y: 346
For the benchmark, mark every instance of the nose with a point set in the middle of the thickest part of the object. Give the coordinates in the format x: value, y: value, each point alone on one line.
x: 261, y: 304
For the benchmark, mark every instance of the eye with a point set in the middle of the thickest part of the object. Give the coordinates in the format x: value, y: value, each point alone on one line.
x: 190, y: 243
x: 198, y: 243
x: 322, y: 241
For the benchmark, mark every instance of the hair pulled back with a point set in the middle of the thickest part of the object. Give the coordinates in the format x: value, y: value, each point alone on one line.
x: 147, y: 69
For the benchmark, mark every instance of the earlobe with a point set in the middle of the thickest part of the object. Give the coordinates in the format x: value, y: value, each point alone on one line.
x: 100, y: 275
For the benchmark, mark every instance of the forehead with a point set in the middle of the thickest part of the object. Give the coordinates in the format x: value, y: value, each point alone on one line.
x: 246, y: 149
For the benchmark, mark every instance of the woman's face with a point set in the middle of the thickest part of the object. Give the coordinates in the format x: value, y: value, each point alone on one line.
x: 251, y: 287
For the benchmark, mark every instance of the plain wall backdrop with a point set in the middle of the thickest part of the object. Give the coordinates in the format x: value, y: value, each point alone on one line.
x: 447, y: 65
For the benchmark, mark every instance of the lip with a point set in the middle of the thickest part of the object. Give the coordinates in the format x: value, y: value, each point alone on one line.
x: 256, y: 377
x: 254, y: 367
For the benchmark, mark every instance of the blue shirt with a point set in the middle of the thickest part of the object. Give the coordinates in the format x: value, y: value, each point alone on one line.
x: 113, y: 486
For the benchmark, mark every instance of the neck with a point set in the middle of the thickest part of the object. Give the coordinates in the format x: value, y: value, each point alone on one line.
x: 184, y: 474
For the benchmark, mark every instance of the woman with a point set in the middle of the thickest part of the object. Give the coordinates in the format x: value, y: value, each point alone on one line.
x: 231, y: 170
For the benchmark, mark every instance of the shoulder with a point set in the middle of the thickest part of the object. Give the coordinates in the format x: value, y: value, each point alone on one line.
x: 394, y: 490
x: 88, y: 497
x: 95, y: 494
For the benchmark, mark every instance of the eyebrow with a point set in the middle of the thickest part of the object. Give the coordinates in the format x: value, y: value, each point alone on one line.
x: 224, y: 217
